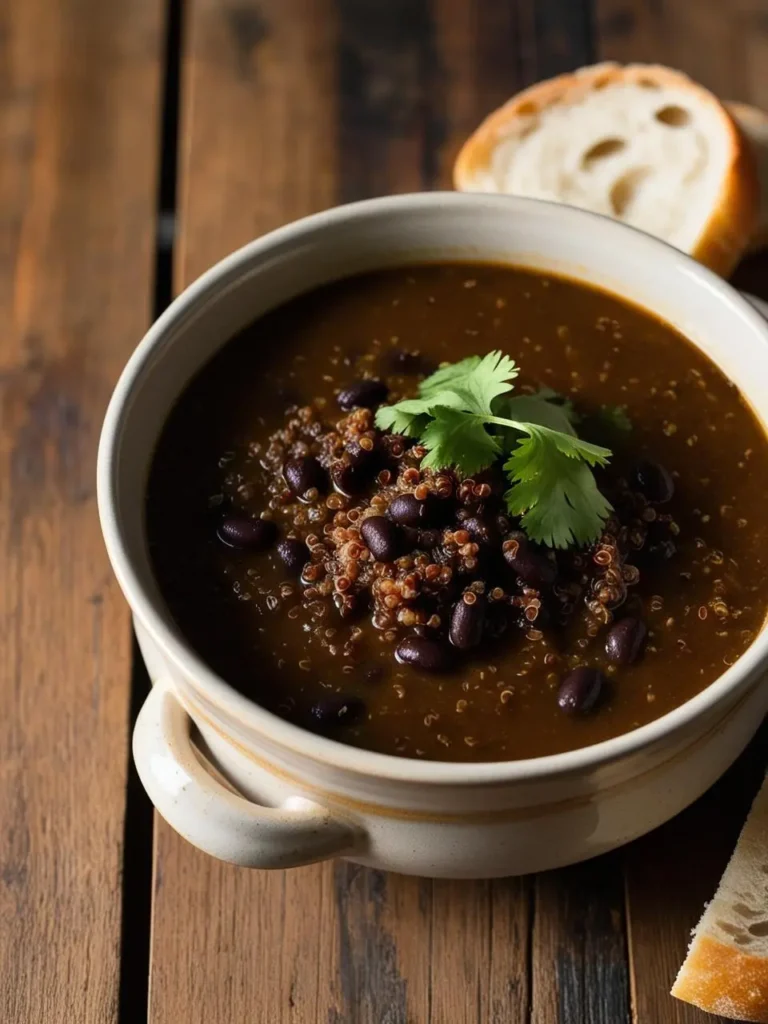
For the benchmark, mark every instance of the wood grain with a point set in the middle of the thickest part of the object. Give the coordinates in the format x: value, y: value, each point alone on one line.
x: 579, y: 966
x: 257, y: 148
x: 258, y: 122
x: 723, y: 46
x: 289, y: 107
x: 79, y: 83
x: 671, y: 873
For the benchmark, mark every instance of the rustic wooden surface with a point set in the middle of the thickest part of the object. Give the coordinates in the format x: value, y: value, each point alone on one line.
x: 669, y: 874
x: 287, y: 106
x: 79, y: 93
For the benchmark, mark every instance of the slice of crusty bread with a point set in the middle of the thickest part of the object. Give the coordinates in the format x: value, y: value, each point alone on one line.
x: 641, y: 143
x: 754, y: 126
x: 726, y: 970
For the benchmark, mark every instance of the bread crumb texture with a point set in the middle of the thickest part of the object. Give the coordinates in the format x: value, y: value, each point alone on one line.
x: 642, y: 144
x: 726, y: 970
x: 754, y: 126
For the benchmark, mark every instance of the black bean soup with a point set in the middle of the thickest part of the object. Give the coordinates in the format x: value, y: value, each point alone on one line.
x: 314, y: 563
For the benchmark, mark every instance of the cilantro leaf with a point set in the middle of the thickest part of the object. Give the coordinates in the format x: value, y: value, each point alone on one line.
x: 470, y: 385
x: 616, y: 417
x: 455, y: 439
x: 547, y: 394
x: 488, y: 380
x: 553, y: 489
x: 554, y: 398
x: 409, y: 417
x: 535, y: 409
x: 475, y: 381
x: 466, y: 418
x: 445, y: 399
x: 447, y: 375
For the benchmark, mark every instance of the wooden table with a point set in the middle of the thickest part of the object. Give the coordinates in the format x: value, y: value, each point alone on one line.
x: 227, y: 118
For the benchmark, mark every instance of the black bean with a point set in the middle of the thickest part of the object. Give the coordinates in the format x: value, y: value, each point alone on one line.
x: 625, y: 640
x: 358, y: 456
x: 410, y: 538
x: 580, y: 690
x: 393, y: 446
x: 365, y: 394
x: 382, y: 538
x: 430, y: 539
x: 481, y: 530
x: 421, y: 652
x: 653, y: 481
x: 503, y: 524
x: 354, y: 472
x: 467, y: 621
x: 304, y: 474
x: 530, y: 565
x: 497, y: 620
x: 349, y: 480
x: 253, y: 534
x: 294, y: 554
x: 336, y: 710
x: 407, y: 510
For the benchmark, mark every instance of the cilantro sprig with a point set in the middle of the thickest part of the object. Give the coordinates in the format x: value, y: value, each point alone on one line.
x: 466, y: 418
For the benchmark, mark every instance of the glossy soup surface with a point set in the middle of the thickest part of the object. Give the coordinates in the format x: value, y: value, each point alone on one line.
x: 702, y: 597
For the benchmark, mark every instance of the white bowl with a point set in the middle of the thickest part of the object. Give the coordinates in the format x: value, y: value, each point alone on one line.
x: 282, y: 796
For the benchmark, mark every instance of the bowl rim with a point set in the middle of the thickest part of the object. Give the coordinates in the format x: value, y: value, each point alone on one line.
x: 295, y: 738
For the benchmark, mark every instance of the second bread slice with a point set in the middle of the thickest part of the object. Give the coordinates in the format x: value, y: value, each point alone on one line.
x: 643, y: 144
x: 726, y: 970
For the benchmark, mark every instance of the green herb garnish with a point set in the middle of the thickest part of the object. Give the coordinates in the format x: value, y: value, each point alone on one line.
x: 615, y: 416
x: 466, y: 418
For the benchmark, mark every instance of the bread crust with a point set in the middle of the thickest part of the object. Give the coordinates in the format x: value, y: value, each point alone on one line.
x: 722, y: 979
x: 729, y: 228
x: 753, y: 123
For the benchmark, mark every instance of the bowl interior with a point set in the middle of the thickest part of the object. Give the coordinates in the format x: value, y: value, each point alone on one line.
x: 389, y: 232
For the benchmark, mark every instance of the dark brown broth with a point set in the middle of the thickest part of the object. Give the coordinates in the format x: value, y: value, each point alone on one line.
x: 585, y: 344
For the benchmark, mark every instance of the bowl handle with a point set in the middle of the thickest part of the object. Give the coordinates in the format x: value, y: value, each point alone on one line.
x: 217, y: 820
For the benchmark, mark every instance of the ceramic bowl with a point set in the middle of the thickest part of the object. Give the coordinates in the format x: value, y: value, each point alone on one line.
x: 251, y: 788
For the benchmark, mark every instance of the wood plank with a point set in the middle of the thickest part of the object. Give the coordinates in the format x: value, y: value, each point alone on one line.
x: 364, y: 91
x: 385, y: 94
x: 480, y: 951
x: 579, y: 969
x: 258, y: 131
x: 579, y: 945
x: 257, y: 148
x: 723, y: 46
x: 670, y: 873
x: 79, y: 85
